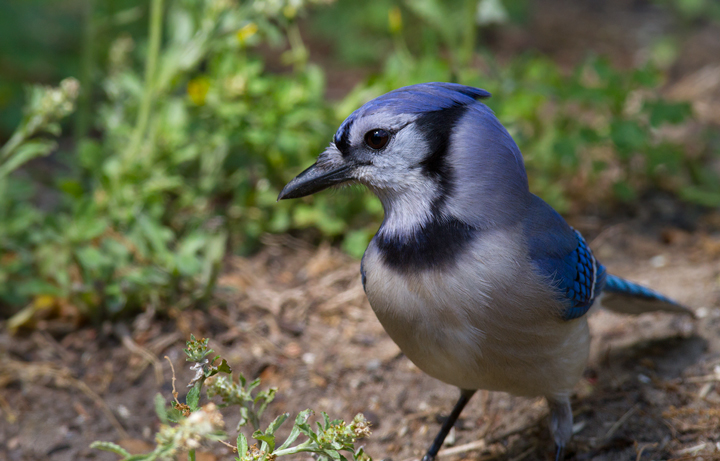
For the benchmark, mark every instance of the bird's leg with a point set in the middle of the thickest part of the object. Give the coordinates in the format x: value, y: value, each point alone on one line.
x: 465, y: 396
x: 561, y: 423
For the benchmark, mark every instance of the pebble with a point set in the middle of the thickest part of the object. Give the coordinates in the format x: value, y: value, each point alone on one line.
x: 123, y: 411
x: 292, y: 350
x: 373, y: 364
x: 13, y: 443
x: 659, y: 261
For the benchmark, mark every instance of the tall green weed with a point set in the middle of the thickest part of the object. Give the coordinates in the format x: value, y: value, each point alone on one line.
x: 190, y: 143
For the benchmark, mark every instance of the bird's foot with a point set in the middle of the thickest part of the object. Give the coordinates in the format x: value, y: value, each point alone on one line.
x: 428, y: 457
x: 559, y: 452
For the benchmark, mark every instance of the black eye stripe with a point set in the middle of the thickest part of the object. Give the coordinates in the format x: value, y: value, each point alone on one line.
x: 342, y: 137
x: 377, y: 138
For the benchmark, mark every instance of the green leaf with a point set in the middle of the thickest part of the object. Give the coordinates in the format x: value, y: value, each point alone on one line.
x: 627, y: 136
x: 111, y: 447
x: 662, y: 111
x: 193, y: 397
x: 355, y: 242
x: 160, y: 409
x: 566, y: 150
x: 360, y: 455
x: 266, y: 397
x: 26, y: 152
x: 268, y: 441
x: 38, y: 287
x: 242, y: 445
x: 71, y: 187
x: 303, y: 416
x: 174, y: 415
x: 277, y: 423
x: 148, y: 456
x: 90, y: 154
x: 87, y: 224
x: 708, y: 198
x: 253, y: 385
x: 92, y: 258
x: 302, y: 425
x: 294, y: 434
x: 648, y: 76
x: 624, y: 191
x: 589, y: 135
x: 244, y: 417
x: 334, y: 454
x: 268, y: 437
x: 224, y: 367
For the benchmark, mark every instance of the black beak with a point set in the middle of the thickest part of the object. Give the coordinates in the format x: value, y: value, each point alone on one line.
x: 318, y: 177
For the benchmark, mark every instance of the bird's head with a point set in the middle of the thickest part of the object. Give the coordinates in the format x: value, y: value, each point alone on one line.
x: 427, y: 151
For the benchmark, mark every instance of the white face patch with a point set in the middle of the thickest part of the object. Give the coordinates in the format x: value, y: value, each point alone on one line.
x: 396, y: 176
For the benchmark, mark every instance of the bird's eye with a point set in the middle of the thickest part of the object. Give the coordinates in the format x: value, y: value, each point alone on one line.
x: 377, y: 139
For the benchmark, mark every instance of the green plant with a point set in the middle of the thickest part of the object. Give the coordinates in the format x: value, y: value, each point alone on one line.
x: 186, y: 426
x: 595, y: 135
x: 45, y: 109
x: 193, y: 150
x: 693, y: 10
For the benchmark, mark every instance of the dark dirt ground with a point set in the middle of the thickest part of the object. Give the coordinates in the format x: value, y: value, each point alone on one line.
x: 297, y: 317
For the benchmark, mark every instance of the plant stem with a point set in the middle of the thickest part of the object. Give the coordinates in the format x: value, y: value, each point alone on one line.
x: 17, y: 138
x: 306, y: 446
x: 156, y: 17
x: 27, y: 129
x: 82, y: 119
x: 468, y: 46
x: 299, y: 51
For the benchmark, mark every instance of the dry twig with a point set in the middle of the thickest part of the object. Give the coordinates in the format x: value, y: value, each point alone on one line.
x: 618, y: 424
x: 127, y: 341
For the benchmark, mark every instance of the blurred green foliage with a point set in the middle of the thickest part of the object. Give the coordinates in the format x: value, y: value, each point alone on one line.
x: 694, y: 10
x: 192, y: 137
x: 190, y: 144
x: 595, y: 135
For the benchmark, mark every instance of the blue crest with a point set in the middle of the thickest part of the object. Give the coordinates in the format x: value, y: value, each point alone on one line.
x: 415, y: 99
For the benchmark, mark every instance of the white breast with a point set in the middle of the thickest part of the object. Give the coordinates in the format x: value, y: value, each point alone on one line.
x: 487, y: 323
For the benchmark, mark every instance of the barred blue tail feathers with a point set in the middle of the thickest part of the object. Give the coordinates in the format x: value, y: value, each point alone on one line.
x: 620, y: 295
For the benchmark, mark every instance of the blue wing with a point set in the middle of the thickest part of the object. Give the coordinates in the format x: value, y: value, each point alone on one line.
x: 560, y: 253
x: 582, y: 281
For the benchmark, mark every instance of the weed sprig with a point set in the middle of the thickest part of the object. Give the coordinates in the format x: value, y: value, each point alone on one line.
x: 186, y: 427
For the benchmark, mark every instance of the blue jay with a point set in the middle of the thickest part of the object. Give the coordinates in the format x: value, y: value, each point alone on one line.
x: 480, y: 283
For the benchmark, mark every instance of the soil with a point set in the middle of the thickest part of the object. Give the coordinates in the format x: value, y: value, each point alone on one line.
x: 297, y: 317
